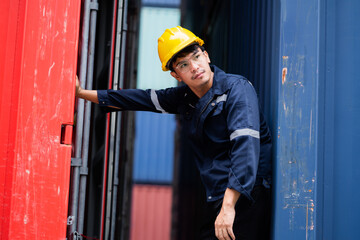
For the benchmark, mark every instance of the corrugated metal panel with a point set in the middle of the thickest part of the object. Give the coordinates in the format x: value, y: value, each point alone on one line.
x: 250, y: 46
x: 153, y: 23
x: 151, y: 212
x: 154, y: 147
x: 37, y: 71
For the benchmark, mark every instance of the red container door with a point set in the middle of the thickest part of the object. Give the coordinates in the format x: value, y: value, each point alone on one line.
x: 38, y: 57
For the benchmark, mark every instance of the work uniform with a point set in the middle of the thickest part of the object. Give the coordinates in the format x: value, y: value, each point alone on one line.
x: 227, y: 132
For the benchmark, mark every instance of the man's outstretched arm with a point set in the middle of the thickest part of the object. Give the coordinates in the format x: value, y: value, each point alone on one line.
x: 90, y: 95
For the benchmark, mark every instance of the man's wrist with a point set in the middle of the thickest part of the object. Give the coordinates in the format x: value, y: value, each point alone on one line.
x: 230, y: 198
x: 79, y: 93
x: 229, y: 204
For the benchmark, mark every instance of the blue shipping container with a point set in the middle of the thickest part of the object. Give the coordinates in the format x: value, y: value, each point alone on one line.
x: 317, y: 165
x: 302, y: 57
x: 154, y: 144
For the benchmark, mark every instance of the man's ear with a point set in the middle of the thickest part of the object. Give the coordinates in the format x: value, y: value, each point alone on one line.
x: 174, y: 74
x: 207, y: 56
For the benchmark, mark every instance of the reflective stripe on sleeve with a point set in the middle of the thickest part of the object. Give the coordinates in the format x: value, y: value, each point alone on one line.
x: 155, y: 101
x: 244, y: 132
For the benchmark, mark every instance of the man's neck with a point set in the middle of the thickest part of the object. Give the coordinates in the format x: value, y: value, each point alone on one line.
x: 202, y: 90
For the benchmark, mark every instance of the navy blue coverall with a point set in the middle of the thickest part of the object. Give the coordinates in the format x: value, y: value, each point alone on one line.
x: 228, y: 134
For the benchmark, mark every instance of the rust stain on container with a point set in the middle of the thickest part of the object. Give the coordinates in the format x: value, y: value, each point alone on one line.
x: 151, y: 212
x: 284, y: 73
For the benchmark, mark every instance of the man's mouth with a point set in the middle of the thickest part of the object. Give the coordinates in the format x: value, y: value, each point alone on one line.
x: 196, y: 76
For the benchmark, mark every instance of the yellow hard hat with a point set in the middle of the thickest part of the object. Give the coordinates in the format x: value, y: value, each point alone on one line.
x: 172, y: 41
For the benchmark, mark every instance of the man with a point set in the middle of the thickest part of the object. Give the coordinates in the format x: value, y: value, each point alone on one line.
x: 228, y: 134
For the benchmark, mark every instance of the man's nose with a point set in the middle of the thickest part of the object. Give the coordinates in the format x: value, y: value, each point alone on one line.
x: 194, y: 66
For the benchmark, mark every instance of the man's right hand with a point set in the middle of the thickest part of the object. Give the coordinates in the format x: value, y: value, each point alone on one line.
x: 90, y: 95
x: 77, y: 87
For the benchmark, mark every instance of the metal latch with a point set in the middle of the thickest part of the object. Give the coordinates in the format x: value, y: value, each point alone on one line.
x: 66, y: 134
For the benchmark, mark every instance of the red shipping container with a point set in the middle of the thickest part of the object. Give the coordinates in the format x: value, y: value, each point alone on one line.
x: 38, y: 55
x: 151, y: 212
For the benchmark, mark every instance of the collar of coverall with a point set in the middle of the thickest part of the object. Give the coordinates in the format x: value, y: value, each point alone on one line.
x: 219, y: 84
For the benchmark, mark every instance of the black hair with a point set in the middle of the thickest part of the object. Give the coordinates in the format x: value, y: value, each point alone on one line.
x: 185, y: 51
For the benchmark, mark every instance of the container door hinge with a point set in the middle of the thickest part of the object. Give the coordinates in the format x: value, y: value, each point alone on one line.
x: 76, y: 162
x: 84, y: 171
x: 94, y: 6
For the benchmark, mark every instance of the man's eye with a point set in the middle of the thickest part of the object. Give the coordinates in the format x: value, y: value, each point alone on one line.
x: 183, y: 65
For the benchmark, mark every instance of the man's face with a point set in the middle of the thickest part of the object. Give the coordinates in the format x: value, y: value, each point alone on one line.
x: 194, y: 70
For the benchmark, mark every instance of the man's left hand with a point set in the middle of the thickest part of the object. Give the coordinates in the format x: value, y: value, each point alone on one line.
x: 224, y: 224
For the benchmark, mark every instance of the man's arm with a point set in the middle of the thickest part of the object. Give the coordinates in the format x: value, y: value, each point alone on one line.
x: 163, y: 100
x: 225, y: 219
x: 243, y: 125
x: 90, y: 95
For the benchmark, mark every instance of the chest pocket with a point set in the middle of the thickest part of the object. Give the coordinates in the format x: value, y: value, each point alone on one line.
x: 219, y: 105
x: 215, y: 125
